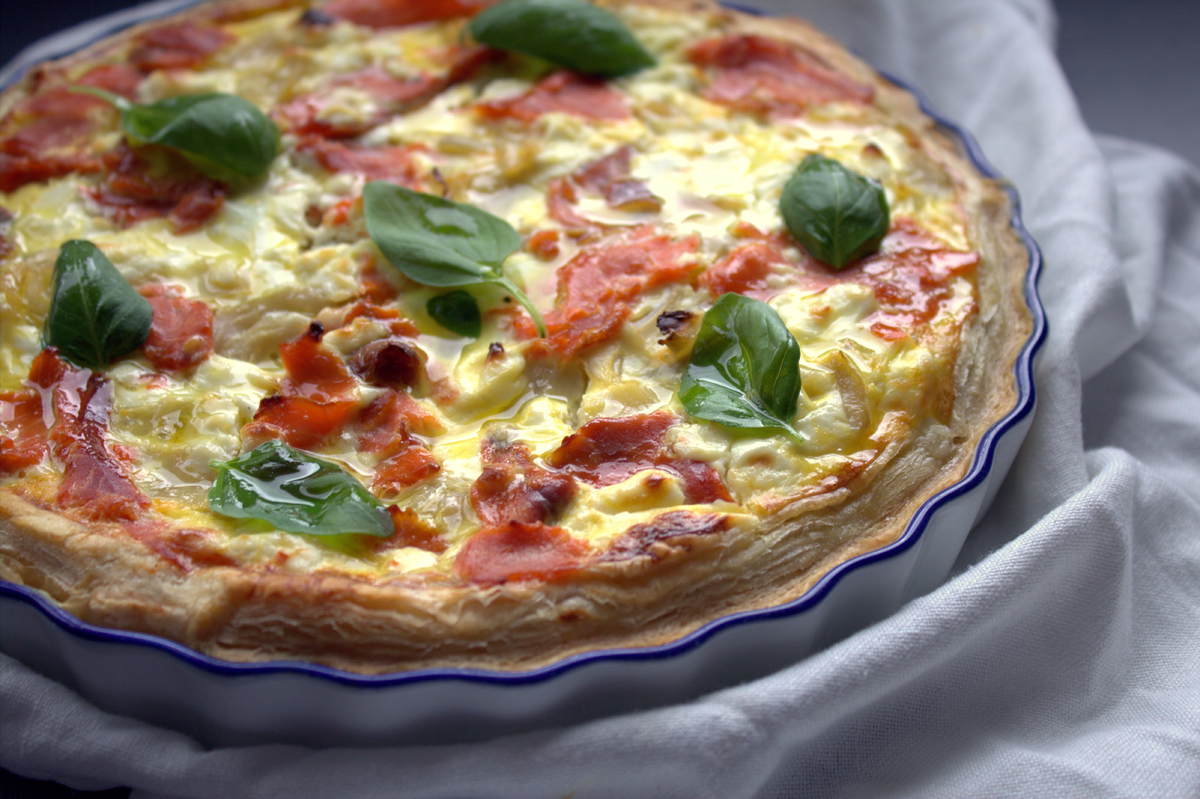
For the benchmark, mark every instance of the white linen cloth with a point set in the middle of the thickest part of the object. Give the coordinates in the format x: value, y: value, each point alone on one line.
x: 1062, y: 659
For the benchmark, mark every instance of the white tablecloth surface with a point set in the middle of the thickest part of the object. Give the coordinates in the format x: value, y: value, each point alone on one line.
x: 1062, y: 659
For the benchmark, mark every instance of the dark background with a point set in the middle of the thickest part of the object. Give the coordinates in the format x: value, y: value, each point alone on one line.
x: 1134, y: 66
x: 23, y: 22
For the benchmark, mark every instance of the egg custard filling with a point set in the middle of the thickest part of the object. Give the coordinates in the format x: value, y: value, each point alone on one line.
x: 472, y: 342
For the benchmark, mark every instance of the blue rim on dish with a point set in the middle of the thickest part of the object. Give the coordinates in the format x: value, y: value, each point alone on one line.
x: 979, y: 471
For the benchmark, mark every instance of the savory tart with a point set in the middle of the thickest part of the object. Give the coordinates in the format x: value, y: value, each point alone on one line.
x: 394, y: 334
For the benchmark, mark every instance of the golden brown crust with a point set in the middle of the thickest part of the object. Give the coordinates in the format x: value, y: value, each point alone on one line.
x: 654, y: 590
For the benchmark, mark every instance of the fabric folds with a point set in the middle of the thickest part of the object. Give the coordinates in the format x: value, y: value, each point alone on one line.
x: 1059, y: 660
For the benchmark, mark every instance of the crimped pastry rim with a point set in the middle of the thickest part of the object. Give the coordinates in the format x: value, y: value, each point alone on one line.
x: 975, y: 474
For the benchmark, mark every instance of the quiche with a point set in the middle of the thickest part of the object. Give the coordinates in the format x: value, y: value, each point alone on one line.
x: 401, y: 334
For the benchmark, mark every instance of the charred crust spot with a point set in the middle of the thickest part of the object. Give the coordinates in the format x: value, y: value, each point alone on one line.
x: 316, y: 331
x: 495, y: 351
x: 653, y: 481
x: 267, y: 403
x: 316, y: 18
x: 671, y: 322
x: 441, y: 181
x: 389, y: 363
x: 671, y: 531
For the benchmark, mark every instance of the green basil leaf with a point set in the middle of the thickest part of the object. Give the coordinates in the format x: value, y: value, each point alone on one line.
x: 297, y: 492
x: 434, y: 241
x: 838, y: 215
x: 438, y: 242
x: 458, y: 312
x: 224, y: 136
x: 569, y: 33
x: 95, y: 315
x: 744, y: 371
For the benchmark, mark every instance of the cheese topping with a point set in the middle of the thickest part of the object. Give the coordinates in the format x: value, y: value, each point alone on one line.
x: 876, y: 340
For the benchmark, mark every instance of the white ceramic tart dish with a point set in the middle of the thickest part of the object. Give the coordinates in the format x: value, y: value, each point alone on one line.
x: 463, y: 371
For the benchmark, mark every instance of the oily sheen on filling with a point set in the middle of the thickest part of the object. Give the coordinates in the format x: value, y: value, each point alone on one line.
x: 551, y: 494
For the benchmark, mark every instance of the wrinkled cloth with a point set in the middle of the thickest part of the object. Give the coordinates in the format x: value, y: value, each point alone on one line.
x: 1061, y: 657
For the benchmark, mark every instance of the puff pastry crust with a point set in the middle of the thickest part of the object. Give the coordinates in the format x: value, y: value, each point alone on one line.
x: 551, y: 496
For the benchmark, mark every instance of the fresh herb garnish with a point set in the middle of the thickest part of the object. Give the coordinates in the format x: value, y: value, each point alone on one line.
x: 569, y: 33
x: 438, y: 242
x: 456, y: 311
x: 745, y: 368
x: 95, y: 315
x: 222, y: 135
x: 297, y: 492
x: 838, y: 215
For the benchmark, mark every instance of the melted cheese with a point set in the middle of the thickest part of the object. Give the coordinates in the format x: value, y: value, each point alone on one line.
x: 267, y: 272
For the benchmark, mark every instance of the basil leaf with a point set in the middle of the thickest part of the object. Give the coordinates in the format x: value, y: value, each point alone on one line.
x: 838, y: 215
x: 744, y: 371
x: 569, y: 33
x: 224, y: 136
x: 95, y: 315
x: 297, y: 492
x: 435, y: 241
x: 456, y: 311
x: 438, y: 242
